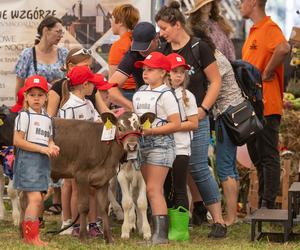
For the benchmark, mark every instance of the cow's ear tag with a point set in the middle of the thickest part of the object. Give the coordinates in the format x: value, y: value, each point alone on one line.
x: 108, y: 124
x: 1, y: 122
x: 109, y: 131
x: 147, y: 124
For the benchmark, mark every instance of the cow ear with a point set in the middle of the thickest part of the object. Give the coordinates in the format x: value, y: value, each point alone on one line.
x: 147, y: 118
x: 109, y: 116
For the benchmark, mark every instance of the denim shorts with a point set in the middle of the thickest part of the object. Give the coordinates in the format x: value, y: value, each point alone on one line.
x: 31, y: 171
x: 225, y: 155
x: 158, y: 150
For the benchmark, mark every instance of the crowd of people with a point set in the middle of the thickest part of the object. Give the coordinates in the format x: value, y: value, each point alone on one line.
x: 158, y: 73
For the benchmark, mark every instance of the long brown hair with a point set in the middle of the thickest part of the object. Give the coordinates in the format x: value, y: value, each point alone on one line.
x: 74, y: 60
x: 195, y: 19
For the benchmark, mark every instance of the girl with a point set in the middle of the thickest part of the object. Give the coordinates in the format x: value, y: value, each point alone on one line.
x: 158, y: 146
x: 74, y: 106
x: 33, y: 139
x: 75, y: 57
x: 189, y: 118
x: 204, y: 69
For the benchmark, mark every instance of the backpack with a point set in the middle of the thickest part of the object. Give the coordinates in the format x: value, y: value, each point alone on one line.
x: 248, y: 78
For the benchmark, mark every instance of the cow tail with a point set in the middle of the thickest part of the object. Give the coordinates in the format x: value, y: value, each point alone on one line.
x: 56, y: 232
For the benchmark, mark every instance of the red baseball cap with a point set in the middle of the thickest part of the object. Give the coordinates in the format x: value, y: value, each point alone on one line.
x: 155, y: 60
x: 20, y: 99
x: 101, y: 83
x: 79, y: 75
x: 36, y: 81
x: 177, y: 60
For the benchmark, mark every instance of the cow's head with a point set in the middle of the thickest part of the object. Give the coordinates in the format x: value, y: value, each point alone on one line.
x: 128, y: 129
x: 7, y: 119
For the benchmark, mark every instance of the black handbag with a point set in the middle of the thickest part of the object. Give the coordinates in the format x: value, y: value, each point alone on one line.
x: 241, y: 122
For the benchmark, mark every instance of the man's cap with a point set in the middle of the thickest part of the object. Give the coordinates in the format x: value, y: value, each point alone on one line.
x: 36, y: 81
x: 101, y: 83
x: 20, y: 99
x: 155, y: 60
x: 143, y: 34
x: 177, y: 60
x: 80, y: 74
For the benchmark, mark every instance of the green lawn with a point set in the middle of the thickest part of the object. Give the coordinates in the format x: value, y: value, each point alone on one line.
x: 238, y: 238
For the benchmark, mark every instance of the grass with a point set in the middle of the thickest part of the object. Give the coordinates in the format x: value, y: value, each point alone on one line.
x: 238, y: 238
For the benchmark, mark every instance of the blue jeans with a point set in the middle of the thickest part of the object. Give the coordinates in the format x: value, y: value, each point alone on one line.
x: 198, y: 165
x: 225, y: 155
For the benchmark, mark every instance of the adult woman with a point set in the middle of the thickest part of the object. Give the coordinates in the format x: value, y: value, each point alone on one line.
x: 172, y: 27
x: 45, y: 58
x: 124, y: 18
x: 205, y: 16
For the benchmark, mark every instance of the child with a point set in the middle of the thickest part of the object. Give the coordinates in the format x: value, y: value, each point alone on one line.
x: 158, y: 146
x: 81, y: 81
x: 179, y: 216
x: 33, y: 139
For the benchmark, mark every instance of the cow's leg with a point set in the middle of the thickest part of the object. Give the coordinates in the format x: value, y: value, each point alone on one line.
x: 2, y: 184
x: 83, y: 205
x: 115, y: 205
x: 23, y: 206
x: 142, y: 205
x: 127, y: 204
x: 103, y: 210
x: 13, y: 195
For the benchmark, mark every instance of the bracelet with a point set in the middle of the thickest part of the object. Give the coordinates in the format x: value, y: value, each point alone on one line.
x: 204, y: 109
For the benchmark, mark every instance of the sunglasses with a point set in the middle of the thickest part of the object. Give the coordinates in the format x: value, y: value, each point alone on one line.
x: 83, y: 51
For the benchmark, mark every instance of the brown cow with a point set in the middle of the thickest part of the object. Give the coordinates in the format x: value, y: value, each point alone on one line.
x: 92, y: 162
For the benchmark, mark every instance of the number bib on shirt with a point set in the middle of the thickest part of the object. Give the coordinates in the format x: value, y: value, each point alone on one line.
x: 82, y: 112
x: 146, y: 101
x: 39, y: 129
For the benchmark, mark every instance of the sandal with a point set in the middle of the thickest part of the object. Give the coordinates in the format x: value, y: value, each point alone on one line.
x: 54, y: 209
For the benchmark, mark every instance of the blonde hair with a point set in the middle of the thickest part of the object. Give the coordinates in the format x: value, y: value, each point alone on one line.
x: 184, y: 84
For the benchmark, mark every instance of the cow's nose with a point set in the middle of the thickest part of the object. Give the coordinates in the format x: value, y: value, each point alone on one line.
x: 131, y: 147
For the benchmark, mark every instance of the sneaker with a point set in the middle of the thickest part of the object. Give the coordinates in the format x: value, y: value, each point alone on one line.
x: 95, y: 230
x: 76, y: 230
x: 218, y: 231
x: 65, y: 224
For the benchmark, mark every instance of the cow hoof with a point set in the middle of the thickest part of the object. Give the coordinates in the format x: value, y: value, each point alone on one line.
x: 125, y: 236
x: 147, y: 236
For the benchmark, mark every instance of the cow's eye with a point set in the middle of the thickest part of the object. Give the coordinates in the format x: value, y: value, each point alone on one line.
x: 120, y: 128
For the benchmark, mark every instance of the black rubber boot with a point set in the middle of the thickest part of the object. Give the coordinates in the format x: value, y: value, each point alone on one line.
x: 160, y: 229
x: 199, y: 213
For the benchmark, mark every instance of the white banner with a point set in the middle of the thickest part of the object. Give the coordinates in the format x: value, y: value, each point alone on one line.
x: 86, y: 24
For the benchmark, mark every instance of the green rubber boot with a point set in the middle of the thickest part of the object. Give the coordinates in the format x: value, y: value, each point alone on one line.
x: 178, y: 224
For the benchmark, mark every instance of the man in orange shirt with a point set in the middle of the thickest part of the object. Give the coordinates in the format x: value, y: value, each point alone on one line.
x: 124, y: 19
x: 266, y: 48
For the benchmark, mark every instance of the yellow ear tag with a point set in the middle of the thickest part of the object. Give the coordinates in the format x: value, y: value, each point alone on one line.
x: 147, y: 124
x: 108, y: 124
x: 1, y: 122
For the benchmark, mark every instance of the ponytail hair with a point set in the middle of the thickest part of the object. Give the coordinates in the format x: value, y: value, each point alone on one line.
x: 65, y: 92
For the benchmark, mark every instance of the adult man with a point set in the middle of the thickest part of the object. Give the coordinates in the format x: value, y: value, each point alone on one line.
x: 145, y: 41
x: 266, y: 48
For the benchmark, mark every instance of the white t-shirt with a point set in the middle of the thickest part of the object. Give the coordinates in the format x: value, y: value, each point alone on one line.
x: 76, y: 108
x: 183, y: 138
x: 160, y: 101
x: 37, y: 127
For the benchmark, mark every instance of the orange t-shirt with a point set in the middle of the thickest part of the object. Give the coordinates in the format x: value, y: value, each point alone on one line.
x: 117, y: 52
x: 258, y: 49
